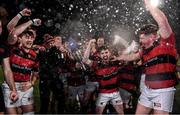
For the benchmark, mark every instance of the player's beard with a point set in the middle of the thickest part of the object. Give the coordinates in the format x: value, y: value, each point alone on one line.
x: 28, y: 45
x: 105, y: 58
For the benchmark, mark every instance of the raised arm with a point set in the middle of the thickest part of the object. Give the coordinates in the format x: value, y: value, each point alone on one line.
x: 13, y: 36
x: 12, y: 24
x: 164, y: 27
x: 86, y: 59
x: 129, y: 57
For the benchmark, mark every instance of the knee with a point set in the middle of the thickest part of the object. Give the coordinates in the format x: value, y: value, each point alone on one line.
x: 99, y: 110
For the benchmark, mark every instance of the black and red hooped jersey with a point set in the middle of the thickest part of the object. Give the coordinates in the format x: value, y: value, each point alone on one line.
x: 127, y: 77
x: 23, y: 64
x: 107, y: 76
x: 160, y: 64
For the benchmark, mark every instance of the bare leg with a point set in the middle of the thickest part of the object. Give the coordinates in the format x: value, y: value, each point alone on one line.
x: 27, y: 108
x: 12, y: 110
x: 160, y: 112
x: 99, y: 110
x: 119, y: 109
x: 142, y: 109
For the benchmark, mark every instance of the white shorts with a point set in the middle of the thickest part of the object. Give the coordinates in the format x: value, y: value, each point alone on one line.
x: 142, y: 82
x: 114, y: 98
x: 25, y: 98
x: 157, y: 99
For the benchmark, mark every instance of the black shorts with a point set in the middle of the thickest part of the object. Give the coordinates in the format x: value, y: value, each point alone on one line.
x: 2, y: 106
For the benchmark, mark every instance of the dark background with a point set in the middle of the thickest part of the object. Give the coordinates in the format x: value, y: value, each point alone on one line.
x: 83, y: 19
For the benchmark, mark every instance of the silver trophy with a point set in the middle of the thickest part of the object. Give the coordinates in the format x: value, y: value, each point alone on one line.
x: 73, y: 45
x: 78, y: 56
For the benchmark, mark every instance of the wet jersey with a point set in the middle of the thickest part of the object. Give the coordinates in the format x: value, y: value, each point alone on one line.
x: 107, y: 76
x: 160, y: 64
x: 127, y: 77
x: 23, y: 64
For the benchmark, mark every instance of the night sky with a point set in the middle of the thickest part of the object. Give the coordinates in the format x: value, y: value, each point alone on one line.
x: 83, y: 19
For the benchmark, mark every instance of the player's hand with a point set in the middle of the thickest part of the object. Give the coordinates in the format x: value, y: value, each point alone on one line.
x: 14, y: 96
x: 25, y: 12
x: 36, y: 22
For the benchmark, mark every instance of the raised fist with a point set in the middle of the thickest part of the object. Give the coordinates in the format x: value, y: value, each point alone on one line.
x: 25, y: 12
x: 36, y: 22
